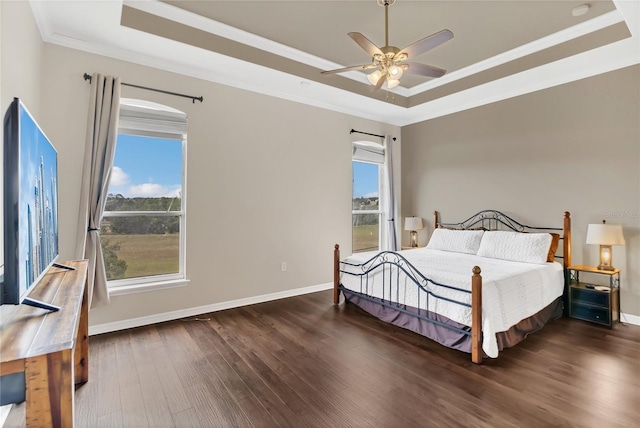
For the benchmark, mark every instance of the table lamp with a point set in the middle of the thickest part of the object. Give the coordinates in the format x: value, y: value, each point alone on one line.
x: 605, y: 235
x: 413, y: 224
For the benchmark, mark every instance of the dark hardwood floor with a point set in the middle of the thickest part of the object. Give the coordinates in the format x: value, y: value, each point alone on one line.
x: 301, y: 362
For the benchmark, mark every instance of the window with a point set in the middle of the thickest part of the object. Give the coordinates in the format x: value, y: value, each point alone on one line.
x: 366, y: 214
x: 142, y: 232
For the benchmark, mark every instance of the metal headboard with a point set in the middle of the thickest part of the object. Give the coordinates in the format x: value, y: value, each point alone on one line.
x: 492, y: 220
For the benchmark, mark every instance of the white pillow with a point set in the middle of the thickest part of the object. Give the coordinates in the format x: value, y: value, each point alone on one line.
x: 458, y: 241
x: 518, y: 247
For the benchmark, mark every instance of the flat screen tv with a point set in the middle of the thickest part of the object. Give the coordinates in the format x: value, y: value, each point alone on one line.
x: 30, y: 206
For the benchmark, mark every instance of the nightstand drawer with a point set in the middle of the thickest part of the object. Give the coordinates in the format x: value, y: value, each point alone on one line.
x: 590, y: 313
x: 592, y: 297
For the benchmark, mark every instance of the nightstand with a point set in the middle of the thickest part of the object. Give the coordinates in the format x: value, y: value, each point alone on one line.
x: 411, y: 248
x: 595, y: 303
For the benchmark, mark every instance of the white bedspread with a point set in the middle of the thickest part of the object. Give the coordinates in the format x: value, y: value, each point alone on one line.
x: 511, y: 291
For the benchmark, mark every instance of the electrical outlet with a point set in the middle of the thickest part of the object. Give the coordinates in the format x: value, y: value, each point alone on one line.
x: 283, y: 266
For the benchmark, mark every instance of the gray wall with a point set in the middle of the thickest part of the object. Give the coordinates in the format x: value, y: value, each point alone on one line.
x: 268, y: 180
x: 570, y: 148
x: 20, y: 69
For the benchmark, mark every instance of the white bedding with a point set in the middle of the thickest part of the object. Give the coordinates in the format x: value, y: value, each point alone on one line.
x: 511, y: 291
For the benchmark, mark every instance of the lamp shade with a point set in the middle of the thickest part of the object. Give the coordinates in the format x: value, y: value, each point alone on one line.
x: 413, y: 223
x: 374, y: 77
x: 392, y: 83
x: 605, y: 234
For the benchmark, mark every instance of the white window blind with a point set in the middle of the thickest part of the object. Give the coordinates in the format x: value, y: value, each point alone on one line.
x: 368, y: 151
x: 144, y: 118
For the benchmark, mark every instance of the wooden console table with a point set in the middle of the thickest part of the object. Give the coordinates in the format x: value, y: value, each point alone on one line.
x: 51, y: 348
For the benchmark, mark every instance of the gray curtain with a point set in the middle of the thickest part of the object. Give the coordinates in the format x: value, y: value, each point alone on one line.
x: 391, y: 206
x: 100, y: 147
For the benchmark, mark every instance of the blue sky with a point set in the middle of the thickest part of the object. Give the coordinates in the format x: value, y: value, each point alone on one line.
x: 146, y: 167
x: 365, y: 180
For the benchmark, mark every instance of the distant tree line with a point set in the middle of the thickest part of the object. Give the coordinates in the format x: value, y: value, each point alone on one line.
x: 361, y: 204
x: 114, y: 266
x: 372, y: 203
x: 137, y: 225
x: 120, y: 203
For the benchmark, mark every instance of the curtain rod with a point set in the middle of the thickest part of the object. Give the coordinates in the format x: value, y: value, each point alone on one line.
x: 191, y: 97
x: 367, y: 133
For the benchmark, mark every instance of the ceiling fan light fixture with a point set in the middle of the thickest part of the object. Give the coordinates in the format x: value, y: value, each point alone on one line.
x: 395, y: 72
x: 392, y: 83
x: 388, y: 60
x: 374, y: 77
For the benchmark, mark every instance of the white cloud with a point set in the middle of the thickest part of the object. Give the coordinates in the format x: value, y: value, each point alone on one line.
x: 152, y: 190
x: 118, y: 177
x: 371, y: 195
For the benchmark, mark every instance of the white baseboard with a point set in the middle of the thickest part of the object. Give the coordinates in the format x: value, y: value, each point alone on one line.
x: 630, y: 319
x: 190, y: 312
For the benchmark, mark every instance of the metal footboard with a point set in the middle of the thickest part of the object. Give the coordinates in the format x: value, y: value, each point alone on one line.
x: 396, y: 270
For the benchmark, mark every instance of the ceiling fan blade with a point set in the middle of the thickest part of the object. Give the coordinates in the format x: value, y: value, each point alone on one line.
x: 365, y: 44
x: 423, y: 69
x: 381, y: 80
x: 426, y: 44
x: 353, y: 67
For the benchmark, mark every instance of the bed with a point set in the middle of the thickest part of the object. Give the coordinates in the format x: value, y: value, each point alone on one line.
x: 480, y: 286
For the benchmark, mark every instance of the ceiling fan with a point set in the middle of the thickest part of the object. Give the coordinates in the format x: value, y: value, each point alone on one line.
x: 389, y: 62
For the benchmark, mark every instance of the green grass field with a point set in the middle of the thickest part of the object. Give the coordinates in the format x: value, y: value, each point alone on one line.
x: 147, y: 254
x: 365, y: 238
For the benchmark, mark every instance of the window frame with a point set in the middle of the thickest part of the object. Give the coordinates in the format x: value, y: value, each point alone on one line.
x: 155, y: 282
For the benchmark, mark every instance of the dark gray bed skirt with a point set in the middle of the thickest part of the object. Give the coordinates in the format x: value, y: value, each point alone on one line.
x: 450, y: 338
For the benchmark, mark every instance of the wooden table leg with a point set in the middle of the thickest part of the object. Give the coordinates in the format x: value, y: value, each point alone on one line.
x: 50, y: 389
x: 81, y: 351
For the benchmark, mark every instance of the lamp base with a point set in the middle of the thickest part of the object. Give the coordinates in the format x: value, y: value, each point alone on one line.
x: 605, y: 258
x: 413, y: 238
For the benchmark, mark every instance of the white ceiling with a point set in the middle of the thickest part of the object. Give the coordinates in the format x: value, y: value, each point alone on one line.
x: 501, y: 49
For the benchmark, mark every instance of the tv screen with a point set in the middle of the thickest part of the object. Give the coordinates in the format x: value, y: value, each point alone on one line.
x: 30, y: 203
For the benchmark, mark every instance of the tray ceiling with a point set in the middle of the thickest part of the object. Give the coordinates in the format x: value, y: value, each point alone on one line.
x: 280, y: 47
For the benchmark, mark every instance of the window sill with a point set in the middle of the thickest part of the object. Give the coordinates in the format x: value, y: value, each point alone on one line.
x: 147, y: 286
